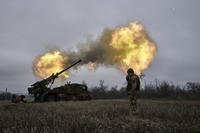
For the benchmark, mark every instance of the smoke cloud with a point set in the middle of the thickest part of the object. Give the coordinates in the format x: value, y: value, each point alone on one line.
x: 121, y: 47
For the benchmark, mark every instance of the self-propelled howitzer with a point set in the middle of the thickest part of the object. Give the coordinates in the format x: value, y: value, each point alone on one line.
x: 42, y: 91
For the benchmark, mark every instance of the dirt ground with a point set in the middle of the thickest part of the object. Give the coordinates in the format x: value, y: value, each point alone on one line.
x: 100, y: 116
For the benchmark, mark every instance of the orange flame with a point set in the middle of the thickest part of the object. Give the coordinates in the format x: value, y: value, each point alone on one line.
x: 51, y: 62
x: 135, y: 48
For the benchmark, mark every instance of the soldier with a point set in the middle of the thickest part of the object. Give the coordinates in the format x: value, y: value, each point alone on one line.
x: 18, y: 99
x: 133, y: 87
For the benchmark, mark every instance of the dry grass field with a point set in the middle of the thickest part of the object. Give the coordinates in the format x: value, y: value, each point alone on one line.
x: 100, y: 116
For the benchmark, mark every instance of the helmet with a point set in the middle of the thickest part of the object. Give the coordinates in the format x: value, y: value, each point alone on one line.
x: 130, y: 70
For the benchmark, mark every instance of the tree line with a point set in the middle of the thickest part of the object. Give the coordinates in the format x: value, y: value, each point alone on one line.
x: 152, y: 90
x: 5, y: 95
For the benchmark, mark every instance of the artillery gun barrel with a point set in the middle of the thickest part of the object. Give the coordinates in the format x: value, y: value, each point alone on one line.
x: 53, y: 77
x: 69, y: 67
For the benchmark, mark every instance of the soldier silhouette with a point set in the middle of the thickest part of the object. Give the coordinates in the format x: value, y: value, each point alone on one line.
x: 133, y: 86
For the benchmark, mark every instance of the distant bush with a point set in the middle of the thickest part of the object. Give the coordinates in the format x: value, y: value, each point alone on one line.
x: 153, y: 90
x: 103, y: 92
x: 5, y: 95
x: 164, y: 89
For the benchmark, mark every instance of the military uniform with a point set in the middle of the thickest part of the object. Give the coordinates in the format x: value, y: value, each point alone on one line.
x: 17, y: 99
x: 133, y: 87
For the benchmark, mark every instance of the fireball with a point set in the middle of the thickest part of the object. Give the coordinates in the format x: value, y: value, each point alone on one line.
x: 135, y: 49
x: 48, y: 63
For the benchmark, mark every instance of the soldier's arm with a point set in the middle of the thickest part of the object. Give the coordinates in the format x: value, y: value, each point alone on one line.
x: 138, y: 83
x: 127, y: 78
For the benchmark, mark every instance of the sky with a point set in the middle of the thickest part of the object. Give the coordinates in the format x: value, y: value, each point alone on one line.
x: 29, y: 28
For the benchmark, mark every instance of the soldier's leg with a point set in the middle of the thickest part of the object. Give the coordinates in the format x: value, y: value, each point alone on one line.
x: 134, y: 103
x: 131, y: 103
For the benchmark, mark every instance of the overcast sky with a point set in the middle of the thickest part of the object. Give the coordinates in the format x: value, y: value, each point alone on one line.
x: 28, y: 27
